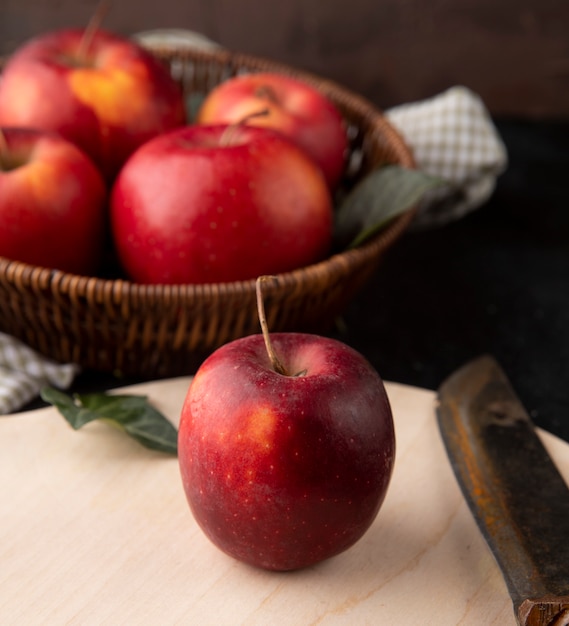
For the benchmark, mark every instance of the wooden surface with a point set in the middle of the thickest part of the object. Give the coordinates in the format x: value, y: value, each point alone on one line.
x: 96, y: 530
x: 514, y: 54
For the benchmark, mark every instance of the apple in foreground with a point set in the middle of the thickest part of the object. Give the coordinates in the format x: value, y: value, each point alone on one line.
x: 210, y: 204
x: 283, y: 470
x: 103, y: 92
x: 52, y: 202
x: 295, y: 108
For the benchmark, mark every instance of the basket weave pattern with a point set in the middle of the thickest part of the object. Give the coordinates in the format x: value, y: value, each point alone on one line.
x: 166, y: 330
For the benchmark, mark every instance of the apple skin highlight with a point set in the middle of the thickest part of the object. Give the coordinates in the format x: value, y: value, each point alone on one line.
x: 52, y: 202
x: 211, y: 204
x: 282, y: 472
x: 108, y: 100
x: 294, y: 108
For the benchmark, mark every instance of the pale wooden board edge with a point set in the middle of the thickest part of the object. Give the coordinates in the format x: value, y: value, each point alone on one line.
x: 96, y: 530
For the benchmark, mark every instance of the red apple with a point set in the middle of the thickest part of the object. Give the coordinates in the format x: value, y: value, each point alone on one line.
x: 107, y: 94
x: 52, y: 202
x: 207, y: 204
x: 280, y: 470
x: 295, y: 108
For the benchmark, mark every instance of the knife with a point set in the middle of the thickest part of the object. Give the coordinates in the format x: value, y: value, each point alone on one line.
x: 514, y: 490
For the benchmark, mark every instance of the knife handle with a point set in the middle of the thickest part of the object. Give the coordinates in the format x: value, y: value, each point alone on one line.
x: 546, y: 611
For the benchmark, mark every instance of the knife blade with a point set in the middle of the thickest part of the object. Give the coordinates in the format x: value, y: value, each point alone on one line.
x: 514, y: 490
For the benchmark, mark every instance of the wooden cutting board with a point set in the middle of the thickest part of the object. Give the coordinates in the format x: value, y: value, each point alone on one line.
x: 94, y: 530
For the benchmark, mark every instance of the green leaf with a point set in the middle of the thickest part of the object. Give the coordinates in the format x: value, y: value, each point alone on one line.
x: 381, y: 196
x: 194, y: 102
x: 132, y: 414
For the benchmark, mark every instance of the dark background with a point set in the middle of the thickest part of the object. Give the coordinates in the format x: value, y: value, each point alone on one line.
x: 514, y: 53
x: 497, y: 281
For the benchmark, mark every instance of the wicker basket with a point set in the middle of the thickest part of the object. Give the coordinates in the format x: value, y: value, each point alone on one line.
x: 154, y: 331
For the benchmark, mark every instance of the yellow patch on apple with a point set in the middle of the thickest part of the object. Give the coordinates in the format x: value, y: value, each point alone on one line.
x: 260, y: 427
x: 45, y: 178
x: 112, y: 95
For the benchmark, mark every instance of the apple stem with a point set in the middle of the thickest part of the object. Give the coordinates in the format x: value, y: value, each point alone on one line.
x: 228, y: 133
x: 275, y: 361
x: 266, y: 92
x: 92, y: 27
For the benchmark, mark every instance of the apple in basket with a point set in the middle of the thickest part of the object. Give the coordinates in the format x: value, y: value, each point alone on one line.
x: 101, y: 91
x: 210, y: 204
x: 297, y: 109
x: 285, y: 459
x: 52, y: 202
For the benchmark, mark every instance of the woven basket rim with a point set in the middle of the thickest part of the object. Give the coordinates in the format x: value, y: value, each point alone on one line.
x: 66, y: 282
x: 78, y: 284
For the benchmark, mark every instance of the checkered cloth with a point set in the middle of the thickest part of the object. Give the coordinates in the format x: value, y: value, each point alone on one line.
x: 452, y: 138
x: 451, y: 135
x: 23, y: 373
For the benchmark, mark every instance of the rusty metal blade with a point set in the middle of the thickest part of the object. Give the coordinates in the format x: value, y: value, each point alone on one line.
x: 514, y: 490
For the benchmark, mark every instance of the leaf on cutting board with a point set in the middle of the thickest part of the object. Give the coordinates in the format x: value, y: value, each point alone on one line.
x: 380, y: 196
x: 132, y: 414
